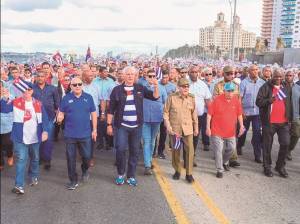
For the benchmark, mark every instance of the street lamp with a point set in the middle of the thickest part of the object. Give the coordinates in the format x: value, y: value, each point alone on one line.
x: 230, y: 30
x: 233, y: 27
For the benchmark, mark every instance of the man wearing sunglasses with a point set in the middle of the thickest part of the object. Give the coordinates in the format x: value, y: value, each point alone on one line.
x: 76, y: 108
x: 228, y: 72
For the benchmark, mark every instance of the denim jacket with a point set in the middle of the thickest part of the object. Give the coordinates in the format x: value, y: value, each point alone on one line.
x: 118, y: 101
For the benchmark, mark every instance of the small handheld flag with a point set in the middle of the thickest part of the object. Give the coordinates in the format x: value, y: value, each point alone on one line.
x: 88, y: 54
x: 58, y: 58
x: 280, y: 94
x: 176, y: 142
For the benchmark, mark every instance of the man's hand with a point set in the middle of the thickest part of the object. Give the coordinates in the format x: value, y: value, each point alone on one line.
x: 102, y: 117
x: 170, y: 131
x: 94, y: 135
x: 60, y: 117
x: 44, y: 136
x: 154, y: 82
x: 241, y: 131
x: 208, y: 131
x: 196, y: 133
x: 109, y: 130
x: 4, y: 92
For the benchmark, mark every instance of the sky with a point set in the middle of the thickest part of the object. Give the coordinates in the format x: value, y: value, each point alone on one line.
x: 114, y: 25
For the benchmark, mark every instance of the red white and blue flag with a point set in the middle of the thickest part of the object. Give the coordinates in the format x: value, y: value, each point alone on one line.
x: 21, y: 85
x: 280, y: 94
x: 58, y: 58
x: 88, y: 54
x: 176, y: 142
x: 158, y: 73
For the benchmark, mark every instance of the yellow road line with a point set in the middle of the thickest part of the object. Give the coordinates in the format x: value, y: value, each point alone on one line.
x: 170, y: 196
x: 217, y: 213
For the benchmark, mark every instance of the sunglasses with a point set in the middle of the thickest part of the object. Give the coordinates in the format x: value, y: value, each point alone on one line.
x: 230, y: 91
x: 151, y: 76
x: 77, y: 84
x: 208, y: 74
x: 185, y: 86
x: 183, y: 72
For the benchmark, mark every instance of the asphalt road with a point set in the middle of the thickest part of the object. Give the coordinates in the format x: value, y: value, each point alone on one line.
x: 244, y: 195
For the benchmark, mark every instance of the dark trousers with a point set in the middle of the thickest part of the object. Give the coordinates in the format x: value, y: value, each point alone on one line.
x: 202, y: 128
x: 295, y: 135
x: 84, y: 146
x: 101, y: 129
x: 5, y: 145
x: 283, y: 134
x: 256, y: 140
x: 162, y: 139
x: 127, y: 138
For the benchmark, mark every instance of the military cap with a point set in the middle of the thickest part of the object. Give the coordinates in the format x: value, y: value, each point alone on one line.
x: 183, y: 81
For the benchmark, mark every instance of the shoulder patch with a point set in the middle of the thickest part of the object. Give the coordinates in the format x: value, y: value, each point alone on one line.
x: 191, y: 95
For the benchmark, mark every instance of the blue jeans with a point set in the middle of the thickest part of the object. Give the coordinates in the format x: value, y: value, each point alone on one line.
x: 130, y: 137
x: 149, y: 133
x: 46, y: 147
x: 21, y: 152
x: 256, y: 140
x: 85, y: 150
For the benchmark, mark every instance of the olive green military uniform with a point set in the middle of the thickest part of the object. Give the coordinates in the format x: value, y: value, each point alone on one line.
x: 180, y: 116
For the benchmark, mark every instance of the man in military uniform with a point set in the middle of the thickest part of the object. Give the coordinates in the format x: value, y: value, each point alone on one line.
x: 218, y: 90
x: 180, y: 117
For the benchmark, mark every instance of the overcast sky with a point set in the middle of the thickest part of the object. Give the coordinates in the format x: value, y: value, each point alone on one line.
x: 117, y: 25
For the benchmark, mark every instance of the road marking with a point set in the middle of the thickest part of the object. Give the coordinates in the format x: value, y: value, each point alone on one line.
x: 170, y: 196
x: 217, y: 213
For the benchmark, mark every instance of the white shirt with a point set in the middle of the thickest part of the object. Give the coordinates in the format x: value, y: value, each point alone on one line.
x: 202, y: 93
x: 30, y: 124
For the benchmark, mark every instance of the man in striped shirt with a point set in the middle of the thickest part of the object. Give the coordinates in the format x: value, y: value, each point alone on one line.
x: 126, y: 107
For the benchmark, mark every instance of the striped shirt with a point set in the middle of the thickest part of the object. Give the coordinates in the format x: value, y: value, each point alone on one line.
x: 130, y: 115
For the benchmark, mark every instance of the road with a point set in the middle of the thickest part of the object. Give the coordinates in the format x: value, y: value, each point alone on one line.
x: 243, y: 196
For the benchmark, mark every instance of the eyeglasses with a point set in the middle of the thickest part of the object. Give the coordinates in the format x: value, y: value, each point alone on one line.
x: 208, y: 74
x: 151, y: 76
x: 77, y: 84
x: 230, y: 91
x: 185, y: 86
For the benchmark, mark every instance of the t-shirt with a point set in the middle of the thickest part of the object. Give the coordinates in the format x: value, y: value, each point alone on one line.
x: 224, y: 116
x: 129, y: 115
x: 30, y: 124
x: 77, y: 115
x: 277, y: 115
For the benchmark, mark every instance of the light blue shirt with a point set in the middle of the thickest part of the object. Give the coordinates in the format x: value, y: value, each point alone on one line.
x: 170, y: 88
x: 248, y: 91
x: 95, y: 92
x: 106, y: 85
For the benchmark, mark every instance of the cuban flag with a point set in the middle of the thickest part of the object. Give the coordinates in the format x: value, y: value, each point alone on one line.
x: 88, y: 54
x: 158, y: 73
x: 280, y: 94
x: 21, y: 85
x: 176, y: 142
x: 58, y: 58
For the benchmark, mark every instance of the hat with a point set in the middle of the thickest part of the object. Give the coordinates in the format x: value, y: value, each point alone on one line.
x: 183, y: 81
x: 229, y: 86
x: 22, y: 85
x: 228, y: 68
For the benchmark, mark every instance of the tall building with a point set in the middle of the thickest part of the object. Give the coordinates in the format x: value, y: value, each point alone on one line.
x: 219, y: 35
x: 285, y: 23
x: 266, y: 24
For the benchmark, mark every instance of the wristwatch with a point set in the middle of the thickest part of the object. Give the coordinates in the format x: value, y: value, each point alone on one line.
x: 108, y: 124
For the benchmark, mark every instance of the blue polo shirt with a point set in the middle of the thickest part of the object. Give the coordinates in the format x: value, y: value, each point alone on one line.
x: 77, y: 115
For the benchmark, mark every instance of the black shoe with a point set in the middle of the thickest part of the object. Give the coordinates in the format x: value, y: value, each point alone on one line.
x: 189, y: 178
x: 282, y: 172
x: 152, y: 166
x: 100, y: 147
x: 239, y: 151
x: 176, y: 176
x: 195, y: 164
x: 234, y: 163
x: 226, y: 167
x: 268, y: 173
x: 219, y: 175
x: 47, y: 166
x: 257, y: 160
x: 162, y: 156
x: 289, y: 156
x: 206, y: 148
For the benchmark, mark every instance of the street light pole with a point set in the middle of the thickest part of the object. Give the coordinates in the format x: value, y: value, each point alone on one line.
x: 233, y: 31
x: 230, y: 26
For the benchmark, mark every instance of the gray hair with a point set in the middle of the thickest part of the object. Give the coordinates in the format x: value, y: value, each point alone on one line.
x: 130, y: 69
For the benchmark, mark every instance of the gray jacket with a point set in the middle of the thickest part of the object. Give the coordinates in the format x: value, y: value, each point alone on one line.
x: 296, y: 101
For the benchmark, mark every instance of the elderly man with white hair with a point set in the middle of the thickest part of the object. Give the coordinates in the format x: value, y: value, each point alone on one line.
x: 126, y: 107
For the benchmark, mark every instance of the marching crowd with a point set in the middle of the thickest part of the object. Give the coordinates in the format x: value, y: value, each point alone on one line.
x: 149, y: 104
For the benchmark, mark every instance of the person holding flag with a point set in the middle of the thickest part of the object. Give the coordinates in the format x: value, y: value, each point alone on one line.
x: 274, y: 102
x: 88, y: 55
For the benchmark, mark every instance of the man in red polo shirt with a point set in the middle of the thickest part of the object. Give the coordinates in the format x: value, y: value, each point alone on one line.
x: 223, y: 113
x: 275, y: 110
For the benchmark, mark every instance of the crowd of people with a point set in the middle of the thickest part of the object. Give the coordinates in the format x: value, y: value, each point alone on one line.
x: 146, y: 105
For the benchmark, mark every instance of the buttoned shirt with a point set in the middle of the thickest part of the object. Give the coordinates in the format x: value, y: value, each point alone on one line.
x: 106, y: 86
x: 170, y: 87
x: 95, y: 92
x: 248, y: 92
x: 201, y: 92
x: 180, y: 114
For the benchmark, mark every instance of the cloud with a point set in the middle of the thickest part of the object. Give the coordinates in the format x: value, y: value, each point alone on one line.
x: 185, y: 3
x: 96, y: 5
x: 43, y: 28
x: 31, y: 5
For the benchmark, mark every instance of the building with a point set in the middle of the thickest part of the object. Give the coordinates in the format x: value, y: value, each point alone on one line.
x: 219, y: 36
x: 285, y: 23
x: 267, y: 19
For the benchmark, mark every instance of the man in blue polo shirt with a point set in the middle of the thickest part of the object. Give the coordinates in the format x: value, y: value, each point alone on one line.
x: 77, y: 107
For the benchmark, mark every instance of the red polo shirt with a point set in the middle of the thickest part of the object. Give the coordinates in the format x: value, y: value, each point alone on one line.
x: 277, y: 115
x: 224, y: 116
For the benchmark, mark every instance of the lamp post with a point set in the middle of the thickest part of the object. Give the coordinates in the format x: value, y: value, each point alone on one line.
x: 233, y: 30
x: 230, y: 27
